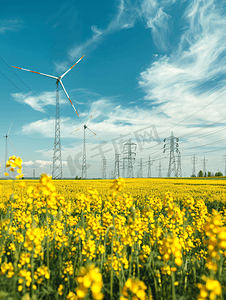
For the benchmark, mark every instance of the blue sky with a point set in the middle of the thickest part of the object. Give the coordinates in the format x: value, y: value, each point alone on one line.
x: 151, y: 67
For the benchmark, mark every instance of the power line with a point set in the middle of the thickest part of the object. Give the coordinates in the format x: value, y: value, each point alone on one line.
x: 204, y: 135
x: 194, y: 112
x: 20, y: 89
x: 170, y: 103
x: 204, y: 145
x: 209, y: 125
x: 26, y: 86
x: 209, y: 151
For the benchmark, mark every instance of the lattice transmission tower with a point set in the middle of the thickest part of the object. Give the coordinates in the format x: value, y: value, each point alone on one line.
x: 194, y: 161
x: 140, y: 172
x: 224, y: 158
x: 204, y: 161
x: 103, y: 168
x: 129, y: 155
x: 116, y: 170
x: 179, y: 170
x: 173, y: 147
x: 149, y: 162
x: 159, y: 169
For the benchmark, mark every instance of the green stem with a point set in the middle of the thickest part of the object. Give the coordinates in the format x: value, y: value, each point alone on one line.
x: 111, y: 278
x: 32, y: 272
x: 173, y: 286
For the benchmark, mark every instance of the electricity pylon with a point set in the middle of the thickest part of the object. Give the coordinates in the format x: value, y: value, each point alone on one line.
x: 116, y: 170
x: 149, y: 162
x: 194, y: 161
x: 103, y: 168
x: 173, y: 147
x: 129, y: 154
x: 179, y: 170
x: 123, y: 167
x: 224, y: 158
x: 140, y: 172
x: 159, y: 169
x: 204, y: 161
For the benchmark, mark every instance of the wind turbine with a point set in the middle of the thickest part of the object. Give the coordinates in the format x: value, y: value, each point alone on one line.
x: 84, y: 173
x: 6, y: 147
x: 57, y: 162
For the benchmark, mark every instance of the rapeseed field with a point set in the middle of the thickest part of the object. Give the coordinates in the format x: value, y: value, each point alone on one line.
x: 124, y: 239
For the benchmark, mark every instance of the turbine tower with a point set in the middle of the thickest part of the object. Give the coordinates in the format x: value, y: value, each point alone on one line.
x: 57, y: 161
x: 6, y: 146
x: 84, y: 172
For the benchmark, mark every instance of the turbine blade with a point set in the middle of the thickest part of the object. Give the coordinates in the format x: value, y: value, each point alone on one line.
x: 72, y: 67
x: 10, y: 127
x: 12, y: 144
x: 75, y: 130
x: 68, y: 97
x: 93, y: 132
x: 36, y: 72
x: 90, y: 118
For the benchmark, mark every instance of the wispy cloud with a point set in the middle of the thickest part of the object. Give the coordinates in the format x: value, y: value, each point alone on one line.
x: 39, y: 102
x: 124, y: 18
x: 89, y: 45
x: 28, y: 163
x: 43, y: 163
x: 46, y: 127
x: 192, y: 69
x: 127, y: 14
x: 10, y: 25
x: 154, y: 14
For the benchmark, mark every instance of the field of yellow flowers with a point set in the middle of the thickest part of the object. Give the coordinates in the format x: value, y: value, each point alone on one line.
x: 132, y: 239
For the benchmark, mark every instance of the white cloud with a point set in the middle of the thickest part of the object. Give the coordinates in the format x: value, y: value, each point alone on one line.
x: 95, y: 30
x: 44, y: 127
x: 127, y: 14
x: 40, y: 102
x: 10, y: 25
x: 28, y: 163
x: 192, y: 69
x: 124, y: 19
x: 157, y: 19
x: 43, y: 163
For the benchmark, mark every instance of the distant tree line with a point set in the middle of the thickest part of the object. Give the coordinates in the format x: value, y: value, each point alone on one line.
x: 208, y: 174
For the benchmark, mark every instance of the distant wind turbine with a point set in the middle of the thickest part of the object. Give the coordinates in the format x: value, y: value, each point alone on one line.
x: 6, y: 147
x: 84, y: 173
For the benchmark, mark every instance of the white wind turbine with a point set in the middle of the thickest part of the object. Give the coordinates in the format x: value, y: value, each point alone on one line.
x: 6, y: 146
x: 57, y: 162
x: 84, y: 173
